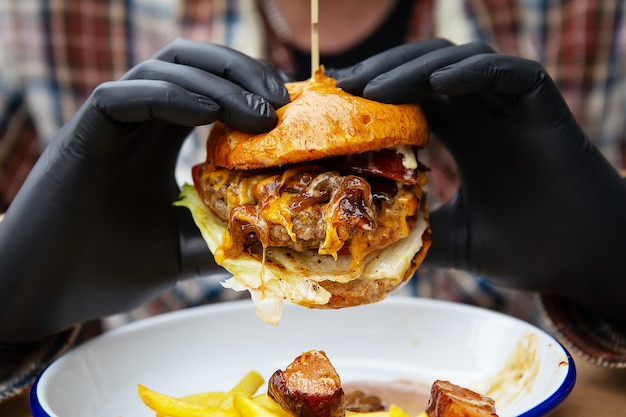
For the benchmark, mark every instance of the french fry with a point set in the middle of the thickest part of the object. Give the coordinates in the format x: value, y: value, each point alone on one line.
x: 395, y: 411
x: 207, y: 399
x: 245, y: 406
x: 248, y: 386
x: 270, y: 405
x: 170, y: 406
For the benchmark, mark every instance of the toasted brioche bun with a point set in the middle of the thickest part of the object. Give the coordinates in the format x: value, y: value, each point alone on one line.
x: 320, y: 121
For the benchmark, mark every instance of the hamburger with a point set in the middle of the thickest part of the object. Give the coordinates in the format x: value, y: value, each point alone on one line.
x: 327, y: 210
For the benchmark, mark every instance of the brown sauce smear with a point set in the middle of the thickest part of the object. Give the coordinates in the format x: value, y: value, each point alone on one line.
x: 411, y: 396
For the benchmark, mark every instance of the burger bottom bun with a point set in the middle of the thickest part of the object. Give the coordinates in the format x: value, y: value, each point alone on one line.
x: 365, y: 291
x: 307, y: 278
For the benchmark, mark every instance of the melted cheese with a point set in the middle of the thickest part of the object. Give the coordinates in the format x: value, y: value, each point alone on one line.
x: 409, y: 160
x: 261, y: 210
x: 292, y: 276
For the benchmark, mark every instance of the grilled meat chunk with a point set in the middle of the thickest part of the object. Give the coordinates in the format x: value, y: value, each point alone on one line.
x: 450, y: 400
x: 309, y: 387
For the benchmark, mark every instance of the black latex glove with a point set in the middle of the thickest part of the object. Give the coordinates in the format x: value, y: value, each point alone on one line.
x: 539, y: 208
x: 93, y: 231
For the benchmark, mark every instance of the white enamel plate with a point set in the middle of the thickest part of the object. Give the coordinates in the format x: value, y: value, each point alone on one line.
x: 211, y: 348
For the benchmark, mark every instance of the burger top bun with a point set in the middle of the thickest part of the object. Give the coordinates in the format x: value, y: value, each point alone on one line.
x: 341, y: 124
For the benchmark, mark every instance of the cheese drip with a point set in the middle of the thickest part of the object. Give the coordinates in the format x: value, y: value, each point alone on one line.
x: 308, y: 208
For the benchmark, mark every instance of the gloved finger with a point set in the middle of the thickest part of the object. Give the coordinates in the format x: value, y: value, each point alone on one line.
x: 411, y: 80
x: 490, y: 75
x: 355, y: 78
x: 136, y: 101
x: 276, y: 72
x: 229, y: 64
x: 448, y: 233
x: 502, y: 74
x: 240, y: 108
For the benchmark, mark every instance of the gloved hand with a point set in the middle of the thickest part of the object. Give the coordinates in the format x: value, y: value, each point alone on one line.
x: 538, y: 208
x: 92, y: 231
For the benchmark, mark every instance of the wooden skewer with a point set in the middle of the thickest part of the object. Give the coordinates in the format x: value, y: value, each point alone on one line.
x: 315, y: 39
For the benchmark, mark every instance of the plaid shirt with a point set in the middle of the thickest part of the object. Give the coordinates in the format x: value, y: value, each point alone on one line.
x: 53, y: 53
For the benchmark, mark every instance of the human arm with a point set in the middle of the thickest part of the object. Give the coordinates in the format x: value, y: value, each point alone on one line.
x: 539, y: 208
x: 93, y: 231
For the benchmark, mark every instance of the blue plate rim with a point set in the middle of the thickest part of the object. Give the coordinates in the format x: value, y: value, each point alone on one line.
x: 559, y: 395
x: 35, y: 405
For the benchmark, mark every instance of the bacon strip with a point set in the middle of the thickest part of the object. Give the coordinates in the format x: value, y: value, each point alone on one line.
x: 386, y: 163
